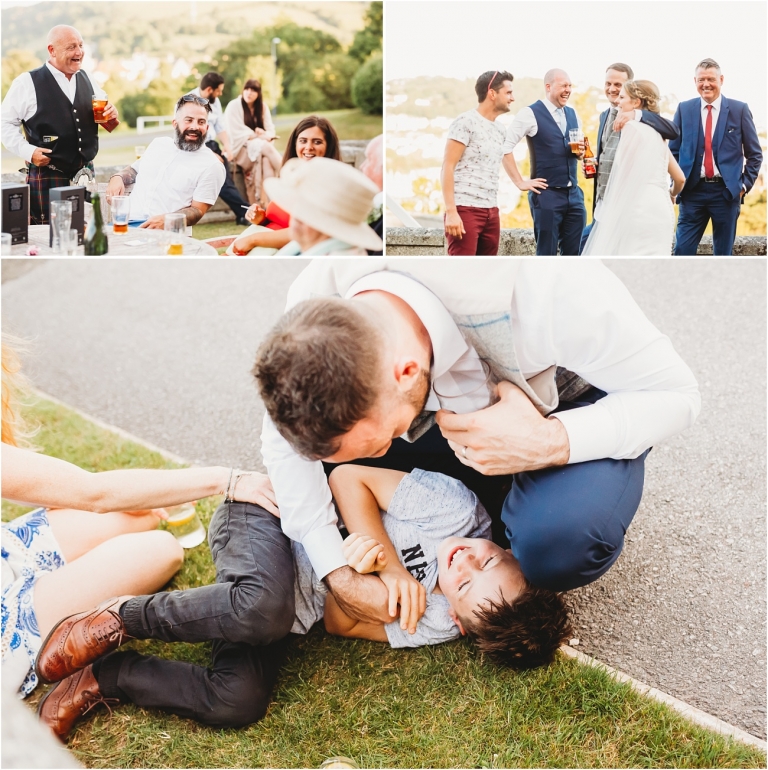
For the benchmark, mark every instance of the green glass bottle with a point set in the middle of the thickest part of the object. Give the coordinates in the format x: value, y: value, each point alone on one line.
x: 95, y: 240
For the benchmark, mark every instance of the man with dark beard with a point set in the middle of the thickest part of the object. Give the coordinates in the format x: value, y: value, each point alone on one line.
x: 179, y: 175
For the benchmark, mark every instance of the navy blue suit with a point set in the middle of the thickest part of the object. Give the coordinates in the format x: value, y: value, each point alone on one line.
x: 666, y: 128
x: 737, y: 155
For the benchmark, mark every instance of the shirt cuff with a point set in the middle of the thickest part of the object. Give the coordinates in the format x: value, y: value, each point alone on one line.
x: 323, y: 546
x: 27, y: 151
x: 589, y: 430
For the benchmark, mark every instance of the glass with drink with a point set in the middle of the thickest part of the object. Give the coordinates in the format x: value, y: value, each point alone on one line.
x: 7, y: 241
x: 575, y: 140
x: 590, y: 165
x: 185, y: 525
x: 99, y: 105
x: 139, y: 150
x: 121, y: 209
x: 175, y: 225
x: 61, y: 223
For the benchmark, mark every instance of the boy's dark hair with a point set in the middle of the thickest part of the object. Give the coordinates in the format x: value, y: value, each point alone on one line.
x: 318, y: 373
x: 621, y: 67
x: 524, y: 633
x: 211, y: 80
x: 491, y: 79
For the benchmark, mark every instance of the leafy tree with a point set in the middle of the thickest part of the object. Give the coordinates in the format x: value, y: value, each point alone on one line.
x: 369, y: 39
x: 322, y: 85
x: 159, y: 98
x: 367, y: 86
x: 14, y: 63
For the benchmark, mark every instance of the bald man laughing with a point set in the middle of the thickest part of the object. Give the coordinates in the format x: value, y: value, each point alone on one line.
x: 52, y: 104
x: 557, y: 203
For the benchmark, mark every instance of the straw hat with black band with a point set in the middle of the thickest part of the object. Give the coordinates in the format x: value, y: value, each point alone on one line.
x: 328, y: 196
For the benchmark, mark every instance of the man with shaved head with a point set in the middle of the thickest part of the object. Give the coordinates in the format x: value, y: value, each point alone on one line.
x: 52, y: 105
x: 557, y: 203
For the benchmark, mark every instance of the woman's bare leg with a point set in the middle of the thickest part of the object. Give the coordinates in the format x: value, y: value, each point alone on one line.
x: 126, y: 565
x: 78, y: 532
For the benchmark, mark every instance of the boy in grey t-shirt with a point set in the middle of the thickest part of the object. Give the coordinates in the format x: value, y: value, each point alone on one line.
x: 428, y: 538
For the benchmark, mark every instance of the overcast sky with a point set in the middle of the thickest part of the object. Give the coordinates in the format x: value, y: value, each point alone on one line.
x: 661, y: 40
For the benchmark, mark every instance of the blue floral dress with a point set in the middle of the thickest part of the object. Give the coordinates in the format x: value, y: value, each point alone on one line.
x: 29, y: 550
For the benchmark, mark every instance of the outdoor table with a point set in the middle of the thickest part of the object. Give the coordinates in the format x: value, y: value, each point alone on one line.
x: 134, y: 243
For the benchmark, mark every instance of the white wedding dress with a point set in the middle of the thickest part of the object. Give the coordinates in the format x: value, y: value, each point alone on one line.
x: 636, y: 217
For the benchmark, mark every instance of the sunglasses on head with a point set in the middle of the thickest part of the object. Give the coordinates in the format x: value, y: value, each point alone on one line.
x: 197, y: 100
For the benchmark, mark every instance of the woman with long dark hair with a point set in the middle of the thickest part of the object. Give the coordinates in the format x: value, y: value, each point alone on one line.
x: 313, y: 137
x: 251, y: 135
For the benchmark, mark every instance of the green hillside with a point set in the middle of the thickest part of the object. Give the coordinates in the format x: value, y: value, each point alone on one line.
x: 186, y: 29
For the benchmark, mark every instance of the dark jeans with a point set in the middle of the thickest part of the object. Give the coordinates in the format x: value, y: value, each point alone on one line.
x: 565, y: 524
x: 559, y: 218
x: 246, y: 613
x: 229, y: 192
x: 705, y: 201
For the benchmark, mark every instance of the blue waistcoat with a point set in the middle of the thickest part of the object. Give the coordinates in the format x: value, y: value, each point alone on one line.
x: 551, y: 157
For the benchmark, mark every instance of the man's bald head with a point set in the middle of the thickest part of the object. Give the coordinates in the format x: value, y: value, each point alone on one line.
x: 65, y: 49
x: 373, y: 165
x: 557, y: 85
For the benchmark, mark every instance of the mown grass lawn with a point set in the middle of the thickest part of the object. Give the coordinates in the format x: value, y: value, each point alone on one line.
x: 432, y: 707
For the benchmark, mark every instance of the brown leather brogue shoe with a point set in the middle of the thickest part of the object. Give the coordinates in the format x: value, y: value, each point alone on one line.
x: 78, y: 640
x: 69, y: 700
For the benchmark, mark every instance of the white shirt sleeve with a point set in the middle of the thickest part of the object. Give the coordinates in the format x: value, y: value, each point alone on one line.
x: 269, y: 125
x: 307, y: 513
x: 524, y: 124
x: 210, y: 183
x: 579, y: 315
x: 20, y: 103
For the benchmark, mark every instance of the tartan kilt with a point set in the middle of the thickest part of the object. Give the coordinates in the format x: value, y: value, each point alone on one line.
x: 40, y: 180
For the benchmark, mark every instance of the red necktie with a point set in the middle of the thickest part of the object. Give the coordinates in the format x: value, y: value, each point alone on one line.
x: 709, y: 165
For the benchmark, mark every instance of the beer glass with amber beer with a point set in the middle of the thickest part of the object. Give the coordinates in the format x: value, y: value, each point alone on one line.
x: 121, y: 210
x: 575, y: 139
x: 175, y: 226
x: 99, y: 105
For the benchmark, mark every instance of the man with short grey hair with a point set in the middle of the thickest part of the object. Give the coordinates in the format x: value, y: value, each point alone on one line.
x: 719, y: 152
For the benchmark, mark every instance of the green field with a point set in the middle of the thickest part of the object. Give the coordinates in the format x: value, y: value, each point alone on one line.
x: 440, y: 706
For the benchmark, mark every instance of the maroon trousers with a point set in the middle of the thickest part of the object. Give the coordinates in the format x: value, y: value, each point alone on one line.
x: 481, y: 238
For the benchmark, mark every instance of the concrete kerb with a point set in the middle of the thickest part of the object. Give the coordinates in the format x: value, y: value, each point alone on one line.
x: 697, y: 716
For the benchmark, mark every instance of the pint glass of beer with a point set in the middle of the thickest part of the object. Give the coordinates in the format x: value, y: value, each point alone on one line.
x: 175, y: 226
x: 99, y: 105
x: 575, y: 139
x: 121, y: 209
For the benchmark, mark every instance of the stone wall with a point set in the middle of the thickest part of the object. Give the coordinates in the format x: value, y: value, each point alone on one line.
x: 426, y: 241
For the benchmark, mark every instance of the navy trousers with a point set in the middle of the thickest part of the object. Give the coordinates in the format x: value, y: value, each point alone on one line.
x: 565, y: 525
x: 704, y: 202
x: 559, y: 218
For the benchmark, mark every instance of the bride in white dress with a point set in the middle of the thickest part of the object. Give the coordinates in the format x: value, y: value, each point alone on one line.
x: 636, y: 215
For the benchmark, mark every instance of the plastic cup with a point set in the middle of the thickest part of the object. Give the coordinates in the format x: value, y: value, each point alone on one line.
x: 5, y: 241
x: 185, y: 525
x: 99, y: 105
x: 139, y: 150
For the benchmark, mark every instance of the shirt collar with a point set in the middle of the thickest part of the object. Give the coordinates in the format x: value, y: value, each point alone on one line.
x: 551, y: 107
x: 59, y: 75
x: 448, y: 344
x: 715, y: 104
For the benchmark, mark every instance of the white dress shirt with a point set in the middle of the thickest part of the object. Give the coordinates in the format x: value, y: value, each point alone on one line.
x: 573, y: 313
x: 715, y: 115
x: 215, y: 116
x: 20, y: 103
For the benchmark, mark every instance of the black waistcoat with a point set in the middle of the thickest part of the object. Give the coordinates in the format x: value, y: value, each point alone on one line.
x: 73, y: 124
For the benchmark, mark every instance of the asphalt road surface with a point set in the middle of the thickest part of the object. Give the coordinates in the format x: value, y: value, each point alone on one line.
x: 163, y: 349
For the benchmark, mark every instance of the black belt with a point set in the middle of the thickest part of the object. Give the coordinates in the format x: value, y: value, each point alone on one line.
x: 714, y: 180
